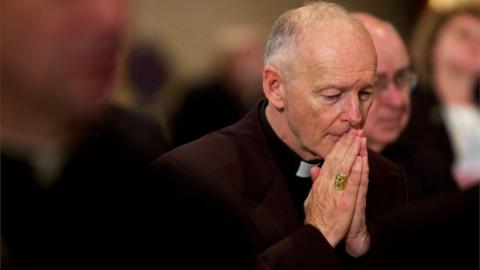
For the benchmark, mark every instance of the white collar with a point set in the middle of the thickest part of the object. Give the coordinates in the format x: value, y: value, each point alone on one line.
x: 304, y: 169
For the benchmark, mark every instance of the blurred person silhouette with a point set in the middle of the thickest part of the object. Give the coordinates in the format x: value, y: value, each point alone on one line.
x: 417, y: 236
x: 70, y: 161
x: 390, y: 113
x: 148, y: 69
x: 318, y: 75
x: 230, y: 92
x: 148, y: 75
x: 445, y: 121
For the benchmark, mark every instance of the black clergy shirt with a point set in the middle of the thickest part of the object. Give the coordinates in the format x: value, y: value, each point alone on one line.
x: 289, y: 163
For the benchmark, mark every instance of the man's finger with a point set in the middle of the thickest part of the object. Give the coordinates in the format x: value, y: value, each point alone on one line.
x: 314, y: 173
x: 363, y: 186
x: 345, y: 165
x: 336, y: 154
x: 351, y: 188
x: 363, y: 149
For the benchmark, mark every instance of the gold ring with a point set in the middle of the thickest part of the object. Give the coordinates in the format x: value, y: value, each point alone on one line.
x: 340, y: 181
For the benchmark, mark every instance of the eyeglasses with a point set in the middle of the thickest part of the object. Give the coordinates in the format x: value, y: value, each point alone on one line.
x: 404, y: 79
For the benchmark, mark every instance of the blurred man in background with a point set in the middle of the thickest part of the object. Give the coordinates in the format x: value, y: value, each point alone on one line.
x: 69, y: 160
x: 390, y: 113
x: 233, y: 88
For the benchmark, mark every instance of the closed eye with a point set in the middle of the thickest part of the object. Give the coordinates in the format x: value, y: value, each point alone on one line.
x: 330, y: 95
x: 331, y: 98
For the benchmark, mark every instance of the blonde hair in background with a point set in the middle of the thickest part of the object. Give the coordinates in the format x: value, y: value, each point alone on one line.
x: 425, y: 33
x: 447, y: 5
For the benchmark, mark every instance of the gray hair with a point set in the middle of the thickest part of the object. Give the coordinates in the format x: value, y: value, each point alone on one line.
x: 287, y: 31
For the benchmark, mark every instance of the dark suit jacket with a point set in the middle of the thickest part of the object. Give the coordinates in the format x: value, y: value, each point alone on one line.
x: 235, y: 167
x: 86, y: 219
x: 439, y: 233
x: 424, y: 149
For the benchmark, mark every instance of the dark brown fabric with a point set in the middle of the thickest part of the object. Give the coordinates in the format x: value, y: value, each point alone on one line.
x: 424, y: 150
x: 85, y: 219
x: 439, y: 233
x: 234, y: 167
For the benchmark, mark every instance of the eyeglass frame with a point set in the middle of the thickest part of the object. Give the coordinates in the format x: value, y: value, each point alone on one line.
x: 406, y: 86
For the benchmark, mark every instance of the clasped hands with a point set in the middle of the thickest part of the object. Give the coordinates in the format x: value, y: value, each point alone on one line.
x: 339, y: 213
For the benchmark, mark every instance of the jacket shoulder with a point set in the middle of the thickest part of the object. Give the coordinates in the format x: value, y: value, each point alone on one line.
x: 211, y: 150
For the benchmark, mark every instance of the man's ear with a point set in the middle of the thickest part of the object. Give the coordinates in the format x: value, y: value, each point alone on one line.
x: 274, y: 86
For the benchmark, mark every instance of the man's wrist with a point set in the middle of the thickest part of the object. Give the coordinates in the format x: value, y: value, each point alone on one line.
x: 357, y: 246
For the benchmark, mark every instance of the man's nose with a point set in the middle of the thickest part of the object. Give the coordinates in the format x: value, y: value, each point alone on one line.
x: 353, y: 113
x: 394, y: 96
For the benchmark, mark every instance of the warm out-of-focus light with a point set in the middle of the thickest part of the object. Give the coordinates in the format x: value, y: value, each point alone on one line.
x: 445, y: 5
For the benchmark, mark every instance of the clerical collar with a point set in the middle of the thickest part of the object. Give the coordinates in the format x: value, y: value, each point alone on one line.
x: 289, y: 162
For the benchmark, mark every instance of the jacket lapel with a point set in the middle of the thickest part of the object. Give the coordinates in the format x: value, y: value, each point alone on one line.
x: 273, y: 214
